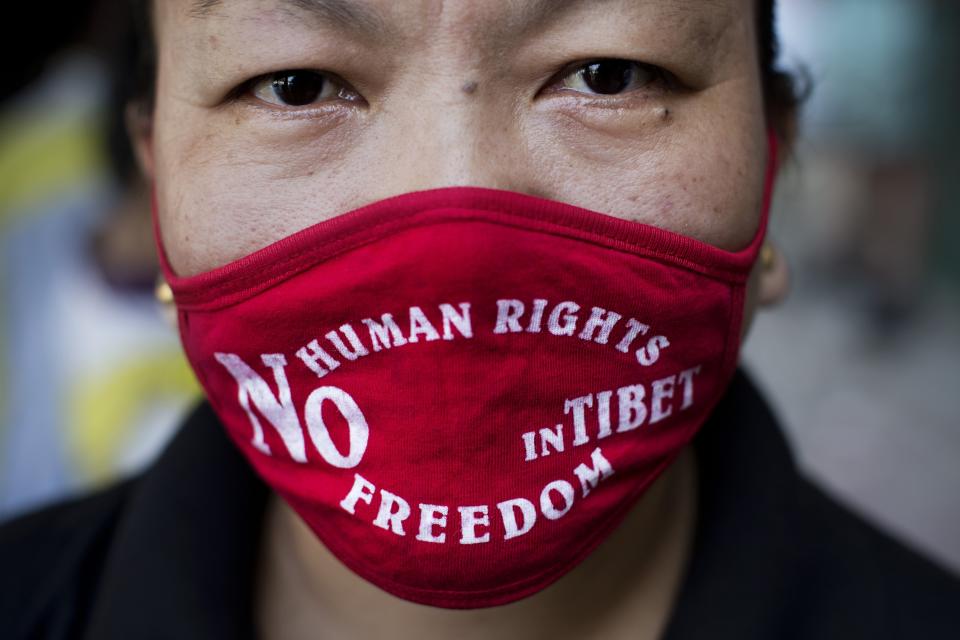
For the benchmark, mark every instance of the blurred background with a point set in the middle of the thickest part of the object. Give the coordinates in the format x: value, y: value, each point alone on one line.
x: 862, y: 362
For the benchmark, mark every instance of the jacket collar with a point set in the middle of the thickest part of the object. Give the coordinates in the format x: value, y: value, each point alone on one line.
x: 183, y: 560
x: 744, y: 557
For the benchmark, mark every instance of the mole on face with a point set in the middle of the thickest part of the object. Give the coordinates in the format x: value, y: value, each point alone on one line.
x: 469, y: 86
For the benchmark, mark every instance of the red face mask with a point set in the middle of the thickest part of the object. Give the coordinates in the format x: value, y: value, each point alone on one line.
x: 463, y: 391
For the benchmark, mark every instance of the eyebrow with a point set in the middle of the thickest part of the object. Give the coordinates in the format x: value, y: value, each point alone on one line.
x: 360, y: 18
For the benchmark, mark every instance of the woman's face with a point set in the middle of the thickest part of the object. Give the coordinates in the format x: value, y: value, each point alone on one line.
x: 376, y: 97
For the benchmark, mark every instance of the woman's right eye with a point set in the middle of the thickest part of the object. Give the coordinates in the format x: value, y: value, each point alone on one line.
x: 300, y: 88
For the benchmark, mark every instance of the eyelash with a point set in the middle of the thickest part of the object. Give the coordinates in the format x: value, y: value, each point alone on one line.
x: 245, y: 91
x: 661, y: 79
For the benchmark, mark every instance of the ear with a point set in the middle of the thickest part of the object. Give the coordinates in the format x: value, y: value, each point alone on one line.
x: 139, y: 122
x: 774, y: 277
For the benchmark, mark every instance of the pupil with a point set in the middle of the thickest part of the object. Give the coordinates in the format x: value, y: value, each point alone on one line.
x: 298, y: 89
x: 609, y: 76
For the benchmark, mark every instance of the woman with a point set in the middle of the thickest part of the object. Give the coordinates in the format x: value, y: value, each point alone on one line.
x: 465, y: 284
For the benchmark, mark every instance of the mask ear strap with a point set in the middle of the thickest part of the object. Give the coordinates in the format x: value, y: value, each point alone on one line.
x: 166, y: 271
x: 773, y: 165
x: 770, y: 179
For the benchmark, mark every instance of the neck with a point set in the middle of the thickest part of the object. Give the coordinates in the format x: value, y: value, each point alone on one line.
x: 625, y: 588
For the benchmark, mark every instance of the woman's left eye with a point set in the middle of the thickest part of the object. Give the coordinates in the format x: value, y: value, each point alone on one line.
x: 299, y: 88
x: 611, y: 76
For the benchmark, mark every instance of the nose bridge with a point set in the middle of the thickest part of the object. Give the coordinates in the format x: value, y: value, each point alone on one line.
x: 464, y: 139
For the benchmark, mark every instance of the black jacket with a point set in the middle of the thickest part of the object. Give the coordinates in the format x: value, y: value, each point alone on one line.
x: 171, y: 553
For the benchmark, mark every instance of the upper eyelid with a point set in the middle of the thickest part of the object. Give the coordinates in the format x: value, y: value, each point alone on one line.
x: 663, y: 76
x: 272, y: 77
x: 567, y: 70
x: 247, y: 87
x: 576, y: 66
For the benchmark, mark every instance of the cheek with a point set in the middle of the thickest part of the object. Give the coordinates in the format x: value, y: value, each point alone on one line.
x: 682, y: 174
x: 224, y: 189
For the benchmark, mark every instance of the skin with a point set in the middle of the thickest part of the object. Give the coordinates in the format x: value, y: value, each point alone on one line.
x: 459, y: 92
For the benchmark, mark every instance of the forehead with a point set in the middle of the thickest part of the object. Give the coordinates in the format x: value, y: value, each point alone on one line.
x: 382, y: 19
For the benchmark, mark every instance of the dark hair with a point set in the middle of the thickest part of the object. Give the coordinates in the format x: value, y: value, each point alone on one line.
x: 142, y: 84
x: 27, y: 58
x: 782, y: 93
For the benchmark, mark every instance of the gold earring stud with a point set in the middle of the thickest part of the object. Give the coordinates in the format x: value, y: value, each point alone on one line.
x: 162, y: 292
x: 768, y: 256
